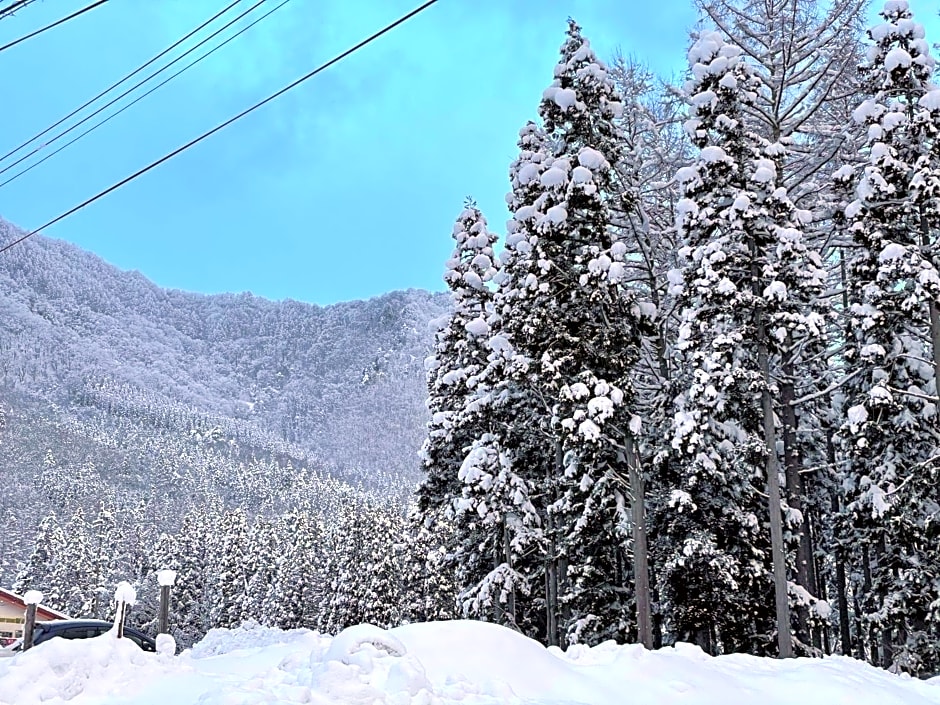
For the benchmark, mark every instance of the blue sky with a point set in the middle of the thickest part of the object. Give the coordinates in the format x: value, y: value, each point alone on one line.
x: 346, y: 187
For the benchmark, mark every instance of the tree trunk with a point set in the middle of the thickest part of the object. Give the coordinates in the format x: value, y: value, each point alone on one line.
x: 551, y: 563
x: 935, y: 344
x: 562, y: 606
x: 781, y: 597
x: 842, y: 598
x: 805, y: 567
x: 859, y: 632
x: 644, y: 624
x: 869, y: 598
x: 887, y: 631
x: 507, y: 551
x: 657, y: 615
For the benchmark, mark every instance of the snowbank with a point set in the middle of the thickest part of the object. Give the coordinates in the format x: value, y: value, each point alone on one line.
x: 60, y: 670
x: 448, y: 663
x: 491, y: 660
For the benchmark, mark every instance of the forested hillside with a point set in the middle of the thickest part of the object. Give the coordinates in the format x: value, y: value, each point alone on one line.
x: 116, y: 392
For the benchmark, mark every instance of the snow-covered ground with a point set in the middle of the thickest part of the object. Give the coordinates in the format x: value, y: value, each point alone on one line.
x: 470, y: 663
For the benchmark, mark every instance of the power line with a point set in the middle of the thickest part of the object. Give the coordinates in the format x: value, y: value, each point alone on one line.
x: 306, y: 77
x: 54, y: 24
x: 131, y: 89
x: 10, y: 9
x: 118, y: 83
x: 144, y: 95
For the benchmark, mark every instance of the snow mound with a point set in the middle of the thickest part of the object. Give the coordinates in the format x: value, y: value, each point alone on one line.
x: 250, y: 635
x: 80, y: 670
x: 500, y: 663
x: 350, y: 641
x: 444, y: 663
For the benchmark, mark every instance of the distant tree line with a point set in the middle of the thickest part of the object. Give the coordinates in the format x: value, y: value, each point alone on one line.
x: 320, y: 566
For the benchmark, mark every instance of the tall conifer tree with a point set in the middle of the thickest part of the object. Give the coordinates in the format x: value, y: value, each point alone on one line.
x: 890, y: 431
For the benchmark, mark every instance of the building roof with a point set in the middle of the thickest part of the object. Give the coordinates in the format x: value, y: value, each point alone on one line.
x: 42, y: 612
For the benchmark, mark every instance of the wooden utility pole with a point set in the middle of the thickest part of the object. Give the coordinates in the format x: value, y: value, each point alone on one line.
x: 125, y: 596
x: 166, y: 579
x: 32, y: 598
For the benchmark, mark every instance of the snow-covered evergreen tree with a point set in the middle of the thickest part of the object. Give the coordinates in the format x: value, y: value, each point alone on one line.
x: 292, y: 600
x: 569, y: 335
x: 72, y: 578
x: 890, y: 431
x: 366, y: 577
x: 805, y: 54
x: 36, y: 573
x: 187, y: 553
x: 747, y: 293
x: 260, y: 570
x: 104, y: 565
x: 429, y: 586
x: 454, y: 370
x: 230, y: 581
x: 497, y: 524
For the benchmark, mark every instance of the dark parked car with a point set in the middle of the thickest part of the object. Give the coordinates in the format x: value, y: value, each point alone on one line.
x: 84, y: 629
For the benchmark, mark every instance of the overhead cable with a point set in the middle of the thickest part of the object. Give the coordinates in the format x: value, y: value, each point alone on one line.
x: 118, y: 83
x: 143, y: 95
x: 130, y: 90
x: 221, y: 126
x: 54, y: 24
x: 10, y: 9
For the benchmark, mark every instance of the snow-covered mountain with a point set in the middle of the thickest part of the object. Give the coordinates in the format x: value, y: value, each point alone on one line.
x: 113, y: 387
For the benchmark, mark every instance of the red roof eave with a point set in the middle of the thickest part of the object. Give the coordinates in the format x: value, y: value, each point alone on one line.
x: 42, y: 612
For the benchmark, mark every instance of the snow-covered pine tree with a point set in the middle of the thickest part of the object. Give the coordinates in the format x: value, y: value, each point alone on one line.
x: 714, y: 560
x: 494, y: 520
x: 890, y: 435
x: 747, y: 295
x: 292, y: 599
x: 72, y: 577
x: 36, y: 573
x: 230, y: 569
x: 805, y: 54
x: 103, y: 550
x: 187, y: 553
x: 497, y: 525
x: 574, y: 333
x: 453, y: 377
x: 260, y: 569
x: 366, y: 577
x: 428, y: 580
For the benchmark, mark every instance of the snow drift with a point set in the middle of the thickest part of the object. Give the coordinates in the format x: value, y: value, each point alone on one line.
x: 444, y: 663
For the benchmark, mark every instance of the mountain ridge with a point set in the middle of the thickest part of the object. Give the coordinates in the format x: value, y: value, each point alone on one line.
x: 130, y: 385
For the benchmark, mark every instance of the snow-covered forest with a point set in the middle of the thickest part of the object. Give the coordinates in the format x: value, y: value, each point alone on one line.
x: 690, y: 394
x: 128, y: 412
x: 694, y: 398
